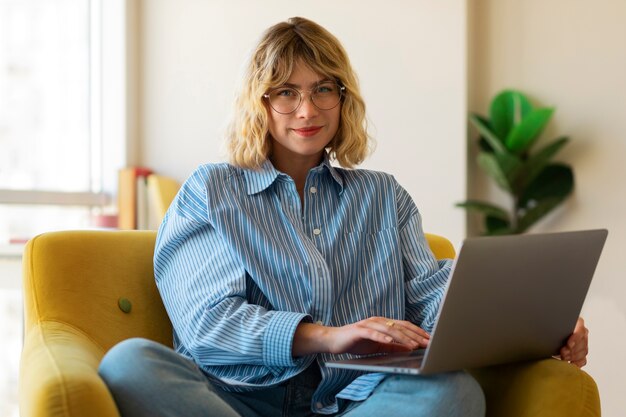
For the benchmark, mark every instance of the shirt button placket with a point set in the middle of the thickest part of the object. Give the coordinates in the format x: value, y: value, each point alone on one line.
x: 313, y: 190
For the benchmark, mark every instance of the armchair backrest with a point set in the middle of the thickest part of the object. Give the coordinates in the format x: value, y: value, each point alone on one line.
x: 101, y: 283
x: 85, y: 279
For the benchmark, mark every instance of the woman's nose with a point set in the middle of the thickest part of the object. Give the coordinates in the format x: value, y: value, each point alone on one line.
x: 307, y: 109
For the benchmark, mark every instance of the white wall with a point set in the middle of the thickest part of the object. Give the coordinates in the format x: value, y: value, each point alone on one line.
x: 413, y: 51
x: 570, y: 54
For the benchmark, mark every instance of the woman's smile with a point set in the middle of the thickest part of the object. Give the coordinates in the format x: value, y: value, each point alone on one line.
x: 307, y: 131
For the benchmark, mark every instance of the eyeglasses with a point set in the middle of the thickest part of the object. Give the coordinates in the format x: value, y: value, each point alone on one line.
x: 325, y: 96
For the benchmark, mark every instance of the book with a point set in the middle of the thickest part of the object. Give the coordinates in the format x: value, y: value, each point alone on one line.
x: 161, y: 193
x: 132, y: 197
x: 141, y: 208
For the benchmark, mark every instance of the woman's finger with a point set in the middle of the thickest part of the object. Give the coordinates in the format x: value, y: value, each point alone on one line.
x: 401, y: 332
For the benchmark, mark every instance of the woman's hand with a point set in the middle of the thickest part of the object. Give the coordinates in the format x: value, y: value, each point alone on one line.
x: 372, y: 335
x: 577, y: 345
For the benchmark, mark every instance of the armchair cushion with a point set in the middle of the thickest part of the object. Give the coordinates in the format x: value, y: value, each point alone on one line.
x: 549, y: 387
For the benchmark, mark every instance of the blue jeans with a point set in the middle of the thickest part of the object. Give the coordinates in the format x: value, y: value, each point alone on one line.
x: 149, y: 379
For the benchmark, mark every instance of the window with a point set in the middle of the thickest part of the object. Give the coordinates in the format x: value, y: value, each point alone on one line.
x: 63, y: 88
x: 58, y: 76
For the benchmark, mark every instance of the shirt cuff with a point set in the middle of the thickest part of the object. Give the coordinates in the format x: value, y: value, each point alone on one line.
x: 278, y: 338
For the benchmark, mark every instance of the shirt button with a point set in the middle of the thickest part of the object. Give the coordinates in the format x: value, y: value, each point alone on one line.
x: 313, y: 190
x: 316, y: 232
x: 319, y: 323
x: 319, y: 405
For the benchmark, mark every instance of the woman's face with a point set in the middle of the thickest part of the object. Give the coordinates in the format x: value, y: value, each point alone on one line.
x: 306, y: 132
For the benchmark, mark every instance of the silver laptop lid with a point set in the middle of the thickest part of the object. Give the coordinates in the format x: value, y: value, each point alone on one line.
x: 512, y: 298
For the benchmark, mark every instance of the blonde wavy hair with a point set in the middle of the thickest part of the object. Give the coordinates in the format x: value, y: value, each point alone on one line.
x: 270, y: 66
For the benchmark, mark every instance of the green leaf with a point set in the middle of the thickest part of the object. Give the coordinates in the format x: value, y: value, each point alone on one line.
x: 542, y: 208
x: 539, y: 160
x: 503, y: 167
x: 484, y: 146
x: 496, y: 226
x: 484, y: 129
x: 490, y: 165
x: 507, y: 110
x: 497, y: 220
x: 523, y: 135
x: 555, y: 181
x: 485, y: 208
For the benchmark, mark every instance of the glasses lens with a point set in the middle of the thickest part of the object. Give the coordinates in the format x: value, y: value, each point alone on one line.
x: 284, y: 100
x: 326, y: 95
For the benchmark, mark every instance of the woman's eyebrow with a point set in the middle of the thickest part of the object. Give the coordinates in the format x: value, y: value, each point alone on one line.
x: 313, y: 84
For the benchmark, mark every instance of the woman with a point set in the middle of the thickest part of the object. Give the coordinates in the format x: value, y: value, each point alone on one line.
x: 277, y: 262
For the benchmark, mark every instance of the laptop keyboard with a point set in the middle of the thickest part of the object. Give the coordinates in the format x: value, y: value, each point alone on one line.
x: 399, y: 358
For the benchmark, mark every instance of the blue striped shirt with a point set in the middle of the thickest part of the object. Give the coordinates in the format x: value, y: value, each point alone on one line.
x: 240, y: 262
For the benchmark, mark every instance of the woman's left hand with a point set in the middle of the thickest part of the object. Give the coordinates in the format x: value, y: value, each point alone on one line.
x: 577, y: 346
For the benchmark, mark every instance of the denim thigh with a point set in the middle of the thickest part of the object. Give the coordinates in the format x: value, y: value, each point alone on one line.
x: 150, y: 379
x: 451, y: 394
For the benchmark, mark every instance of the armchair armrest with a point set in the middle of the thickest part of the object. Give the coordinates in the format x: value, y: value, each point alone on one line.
x: 61, y: 378
x: 547, y: 387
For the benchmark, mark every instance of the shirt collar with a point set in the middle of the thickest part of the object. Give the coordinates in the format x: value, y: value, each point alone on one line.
x: 334, y: 173
x: 259, y: 179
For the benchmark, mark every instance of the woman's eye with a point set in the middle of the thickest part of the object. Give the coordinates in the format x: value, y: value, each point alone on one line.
x: 325, y: 88
x: 285, y: 93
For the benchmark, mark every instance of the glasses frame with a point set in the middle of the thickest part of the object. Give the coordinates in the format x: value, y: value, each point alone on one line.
x: 342, y: 93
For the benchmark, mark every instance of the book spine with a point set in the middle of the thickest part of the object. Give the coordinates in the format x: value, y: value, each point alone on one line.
x: 132, y: 198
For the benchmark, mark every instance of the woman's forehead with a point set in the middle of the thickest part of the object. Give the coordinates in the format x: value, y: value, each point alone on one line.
x: 302, y: 75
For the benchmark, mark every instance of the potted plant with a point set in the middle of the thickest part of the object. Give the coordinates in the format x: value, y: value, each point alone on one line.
x: 535, y: 184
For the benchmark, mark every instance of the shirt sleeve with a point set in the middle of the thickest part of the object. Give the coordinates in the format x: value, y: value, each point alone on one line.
x: 425, y: 277
x: 203, y: 287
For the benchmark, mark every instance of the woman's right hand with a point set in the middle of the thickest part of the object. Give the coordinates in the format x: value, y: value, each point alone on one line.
x: 372, y: 335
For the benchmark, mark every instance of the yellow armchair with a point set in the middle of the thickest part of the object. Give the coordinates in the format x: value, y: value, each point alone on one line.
x: 84, y: 291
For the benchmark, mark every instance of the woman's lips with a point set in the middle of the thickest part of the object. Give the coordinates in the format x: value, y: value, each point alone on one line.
x: 308, y: 131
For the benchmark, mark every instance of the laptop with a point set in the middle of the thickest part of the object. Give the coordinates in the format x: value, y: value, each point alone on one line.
x: 508, y: 299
